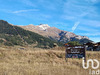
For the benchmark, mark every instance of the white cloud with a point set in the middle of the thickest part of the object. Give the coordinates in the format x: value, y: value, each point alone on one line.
x: 28, y: 10
x: 78, y: 9
x: 40, y: 17
x: 75, y: 26
x: 68, y: 17
x: 85, y: 12
x: 90, y: 29
x: 28, y: 2
x: 93, y: 1
x: 96, y: 39
x: 92, y: 23
x: 46, y: 16
x: 90, y: 34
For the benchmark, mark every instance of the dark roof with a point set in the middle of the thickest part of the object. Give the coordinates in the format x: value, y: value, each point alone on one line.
x: 89, y: 43
x: 98, y: 43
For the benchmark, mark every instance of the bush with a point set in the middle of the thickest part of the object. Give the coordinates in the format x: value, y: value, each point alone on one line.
x: 73, y: 43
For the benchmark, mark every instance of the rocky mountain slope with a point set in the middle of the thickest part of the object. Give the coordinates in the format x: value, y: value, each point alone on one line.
x: 55, y: 33
x: 14, y: 35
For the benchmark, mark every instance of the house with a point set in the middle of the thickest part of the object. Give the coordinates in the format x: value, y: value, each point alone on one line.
x: 93, y: 46
x: 98, y: 46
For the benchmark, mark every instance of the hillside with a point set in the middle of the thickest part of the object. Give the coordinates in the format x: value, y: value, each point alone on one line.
x: 55, y: 33
x: 13, y: 35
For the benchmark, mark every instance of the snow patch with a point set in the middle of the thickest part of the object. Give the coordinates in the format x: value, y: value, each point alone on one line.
x: 44, y: 26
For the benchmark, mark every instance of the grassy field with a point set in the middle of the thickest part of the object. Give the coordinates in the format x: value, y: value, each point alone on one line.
x: 29, y: 61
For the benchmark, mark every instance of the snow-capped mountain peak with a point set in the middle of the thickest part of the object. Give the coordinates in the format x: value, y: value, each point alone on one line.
x: 44, y: 26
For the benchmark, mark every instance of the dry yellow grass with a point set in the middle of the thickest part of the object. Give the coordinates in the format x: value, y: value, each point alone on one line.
x: 14, y: 61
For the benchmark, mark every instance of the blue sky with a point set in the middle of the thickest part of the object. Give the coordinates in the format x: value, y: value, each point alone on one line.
x: 79, y: 16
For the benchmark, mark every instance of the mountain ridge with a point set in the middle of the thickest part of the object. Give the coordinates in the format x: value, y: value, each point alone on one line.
x: 56, y: 34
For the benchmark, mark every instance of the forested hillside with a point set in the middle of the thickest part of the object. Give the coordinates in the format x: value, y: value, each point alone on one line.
x: 13, y: 35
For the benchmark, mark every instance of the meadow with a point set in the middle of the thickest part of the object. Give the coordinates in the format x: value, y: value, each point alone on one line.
x: 35, y: 61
